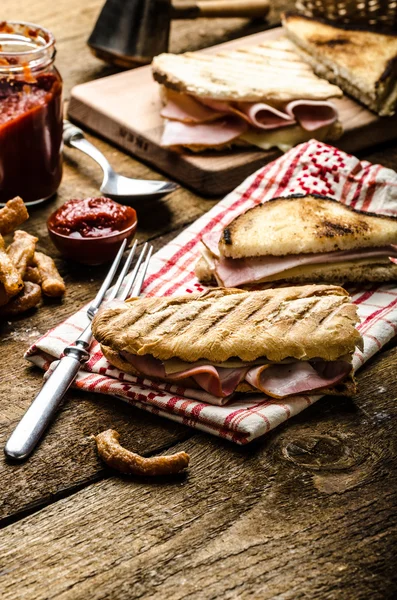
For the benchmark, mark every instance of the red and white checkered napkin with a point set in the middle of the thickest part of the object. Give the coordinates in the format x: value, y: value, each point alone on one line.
x: 310, y: 167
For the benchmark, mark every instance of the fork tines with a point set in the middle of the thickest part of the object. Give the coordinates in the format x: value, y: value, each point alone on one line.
x: 133, y: 281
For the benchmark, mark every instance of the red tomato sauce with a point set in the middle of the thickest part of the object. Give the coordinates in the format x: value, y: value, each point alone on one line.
x: 30, y: 136
x: 91, y: 217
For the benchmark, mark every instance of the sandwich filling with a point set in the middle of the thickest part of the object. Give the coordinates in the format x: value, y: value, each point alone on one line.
x: 277, y: 380
x: 204, y: 122
x: 231, y: 272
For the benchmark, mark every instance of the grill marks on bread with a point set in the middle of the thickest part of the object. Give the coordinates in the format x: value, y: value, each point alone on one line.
x: 221, y: 324
x: 304, y: 224
x: 362, y: 63
x: 272, y: 70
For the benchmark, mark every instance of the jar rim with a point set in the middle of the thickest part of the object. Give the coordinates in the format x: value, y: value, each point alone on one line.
x: 38, y: 56
x: 46, y: 34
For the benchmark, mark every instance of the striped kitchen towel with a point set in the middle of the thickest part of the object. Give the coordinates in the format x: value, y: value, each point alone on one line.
x: 310, y: 167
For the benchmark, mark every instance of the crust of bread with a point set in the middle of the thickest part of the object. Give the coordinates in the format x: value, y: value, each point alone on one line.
x: 304, y: 225
x: 302, y: 322
x: 203, y: 272
x: 333, y: 275
x: 342, y: 56
x: 346, y: 388
x: 272, y: 71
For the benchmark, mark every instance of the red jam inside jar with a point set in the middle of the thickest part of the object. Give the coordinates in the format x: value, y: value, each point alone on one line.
x: 91, y: 218
x: 30, y: 114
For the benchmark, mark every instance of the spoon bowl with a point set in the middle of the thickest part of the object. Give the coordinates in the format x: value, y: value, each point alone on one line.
x: 115, y: 186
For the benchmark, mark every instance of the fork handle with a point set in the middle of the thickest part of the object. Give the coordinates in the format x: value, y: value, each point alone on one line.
x: 31, y: 427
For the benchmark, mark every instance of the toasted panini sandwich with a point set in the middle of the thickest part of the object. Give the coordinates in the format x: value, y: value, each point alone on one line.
x: 264, y: 95
x: 362, y: 63
x: 281, y: 342
x: 300, y: 239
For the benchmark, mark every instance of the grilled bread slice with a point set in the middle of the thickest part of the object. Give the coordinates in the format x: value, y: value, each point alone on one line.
x: 304, y: 224
x: 271, y: 72
x: 362, y: 63
x: 299, y: 322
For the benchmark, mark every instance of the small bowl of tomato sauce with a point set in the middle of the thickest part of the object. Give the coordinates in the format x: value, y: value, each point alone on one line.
x: 91, y: 231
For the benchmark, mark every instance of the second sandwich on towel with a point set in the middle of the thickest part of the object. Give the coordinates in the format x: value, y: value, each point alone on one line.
x: 300, y: 239
x: 279, y: 342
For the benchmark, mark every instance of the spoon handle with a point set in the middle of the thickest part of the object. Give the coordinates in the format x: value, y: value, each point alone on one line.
x: 74, y: 138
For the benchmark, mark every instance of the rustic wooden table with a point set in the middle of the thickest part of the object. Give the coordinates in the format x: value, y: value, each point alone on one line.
x: 306, y: 512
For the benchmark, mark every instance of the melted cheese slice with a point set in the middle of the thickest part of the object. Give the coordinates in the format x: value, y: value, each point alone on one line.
x: 175, y: 365
x: 284, y: 138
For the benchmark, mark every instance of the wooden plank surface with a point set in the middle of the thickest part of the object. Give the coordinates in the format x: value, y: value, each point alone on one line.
x: 276, y: 528
x: 305, y: 513
x: 64, y: 461
x: 125, y: 109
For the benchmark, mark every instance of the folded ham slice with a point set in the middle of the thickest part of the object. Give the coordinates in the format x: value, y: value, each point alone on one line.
x: 212, y: 134
x: 309, y: 114
x: 279, y: 381
x: 214, y: 380
x: 275, y: 380
x: 263, y: 116
x: 184, y: 108
x: 231, y: 272
x: 211, y: 241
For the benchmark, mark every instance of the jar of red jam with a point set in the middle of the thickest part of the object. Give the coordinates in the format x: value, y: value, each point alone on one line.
x: 30, y: 114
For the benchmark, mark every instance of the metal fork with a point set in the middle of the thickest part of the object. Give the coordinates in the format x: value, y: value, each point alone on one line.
x: 31, y: 427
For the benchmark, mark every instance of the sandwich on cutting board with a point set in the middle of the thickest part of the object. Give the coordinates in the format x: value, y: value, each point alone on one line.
x: 281, y: 342
x: 300, y: 239
x: 265, y: 96
x: 362, y: 63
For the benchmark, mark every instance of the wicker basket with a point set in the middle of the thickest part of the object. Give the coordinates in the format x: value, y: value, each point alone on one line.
x: 371, y: 14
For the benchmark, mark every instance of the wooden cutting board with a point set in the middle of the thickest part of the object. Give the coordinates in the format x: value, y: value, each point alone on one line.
x: 124, y: 108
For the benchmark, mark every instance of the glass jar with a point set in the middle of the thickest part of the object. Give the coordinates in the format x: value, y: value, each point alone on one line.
x: 30, y: 114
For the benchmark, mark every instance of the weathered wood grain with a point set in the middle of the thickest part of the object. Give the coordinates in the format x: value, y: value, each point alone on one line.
x: 67, y: 458
x: 40, y: 481
x: 306, y: 512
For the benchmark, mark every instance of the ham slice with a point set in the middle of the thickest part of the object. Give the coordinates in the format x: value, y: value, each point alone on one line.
x: 309, y: 114
x: 279, y: 381
x: 214, y: 380
x: 213, y: 134
x: 312, y: 114
x: 221, y: 383
x: 263, y: 116
x: 275, y: 380
x: 232, y: 272
x: 211, y: 241
x: 184, y: 108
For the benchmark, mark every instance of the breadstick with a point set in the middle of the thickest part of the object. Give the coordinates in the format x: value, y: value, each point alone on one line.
x: 21, y: 250
x: 27, y: 299
x: 52, y: 283
x: 121, y: 459
x: 9, y: 275
x: 12, y: 215
x: 32, y: 274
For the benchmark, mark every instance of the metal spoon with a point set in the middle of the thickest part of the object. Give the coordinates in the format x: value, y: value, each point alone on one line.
x: 113, y: 185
